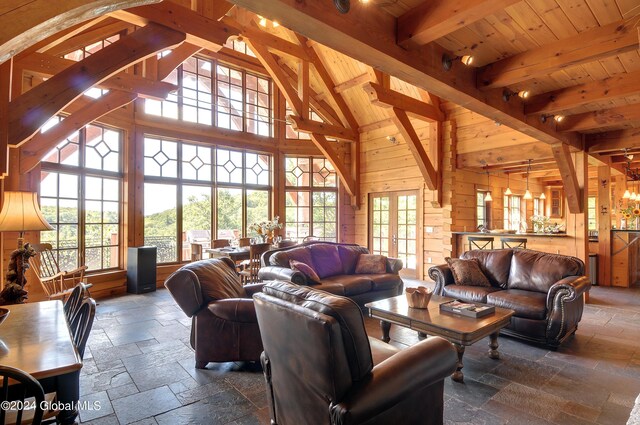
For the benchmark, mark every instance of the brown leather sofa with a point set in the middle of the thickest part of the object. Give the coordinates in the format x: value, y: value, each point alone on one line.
x: 224, y: 326
x: 335, y: 263
x: 545, y: 290
x: 321, y: 368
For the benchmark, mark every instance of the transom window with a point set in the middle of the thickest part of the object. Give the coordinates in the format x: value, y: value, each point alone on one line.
x: 80, y: 195
x: 195, y: 193
x: 311, y: 198
x: 213, y: 93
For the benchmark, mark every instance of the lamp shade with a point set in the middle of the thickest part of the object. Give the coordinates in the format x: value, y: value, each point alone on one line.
x: 527, y: 195
x: 21, y: 213
x: 543, y: 196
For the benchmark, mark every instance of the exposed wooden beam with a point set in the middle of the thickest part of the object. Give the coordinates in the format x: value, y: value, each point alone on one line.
x: 600, y: 118
x: 417, y: 150
x: 53, y: 40
x: 34, y: 108
x: 588, y: 46
x: 178, y: 55
x: 6, y: 75
x: 47, y: 65
x: 328, y: 130
x: 569, y: 178
x: 504, y: 156
x: 391, y: 99
x: 387, y: 122
x: 214, y: 9
x: 368, y: 34
x: 200, y: 30
x: 343, y: 172
x: 613, y: 141
x: 431, y: 20
x: 103, y: 30
x: 614, y: 87
x: 353, y: 82
x: 303, y: 87
x: 34, y: 149
x: 26, y: 22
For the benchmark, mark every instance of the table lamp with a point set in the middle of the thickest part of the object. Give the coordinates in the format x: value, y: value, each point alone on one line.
x: 20, y: 213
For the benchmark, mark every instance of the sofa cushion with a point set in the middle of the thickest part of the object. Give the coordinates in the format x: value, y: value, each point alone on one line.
x: 326, y: 260
x: 494, y: 263
x: 301, y: 254
x: 345, y: 311
x: 218, y: 279
x: 384, y: 281
x: 352, y: 284
x: 467, y: 272
x: 538, y: 271
x: 305, y: 269
x: 371, y: 264
x: 349, y: 255
x: 526, y: 304
x: 476, y: 294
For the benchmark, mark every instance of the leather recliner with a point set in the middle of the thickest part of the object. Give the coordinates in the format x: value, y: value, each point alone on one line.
x: 224, y: 327
x: 321, y: 368
x: 545, y: 291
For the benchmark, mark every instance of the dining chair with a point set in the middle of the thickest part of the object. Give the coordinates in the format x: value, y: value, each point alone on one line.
x: 250, y: 272
x: 244, y: 242
x: 57, y: 284
x: 73, y: 303
x: 480, y: 242
x: 196, y: 251
x: 514, y: 243
x: 220, y: 243
x: 82, y: 323
x: 286, y: 243
x: 27, y: 386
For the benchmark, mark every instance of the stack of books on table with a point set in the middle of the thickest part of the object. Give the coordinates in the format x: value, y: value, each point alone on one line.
x: 467, y: 309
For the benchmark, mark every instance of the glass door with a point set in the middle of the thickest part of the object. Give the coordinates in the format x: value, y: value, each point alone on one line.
x: 393, y: 228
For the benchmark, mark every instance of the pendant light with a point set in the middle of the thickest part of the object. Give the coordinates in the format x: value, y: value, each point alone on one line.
x: 543, y: 196
x: 488, y: 197
x: 527, y: 194
x: 634, y: 196
x: 508, y: 191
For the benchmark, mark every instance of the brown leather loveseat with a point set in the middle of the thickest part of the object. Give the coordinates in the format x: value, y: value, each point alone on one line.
x: 321, y: 368
x: 335, y: 264
x: 545, y: 290
x: 224, y: 327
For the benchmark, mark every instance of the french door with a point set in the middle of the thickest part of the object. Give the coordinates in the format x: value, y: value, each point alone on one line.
x: 394, y: 220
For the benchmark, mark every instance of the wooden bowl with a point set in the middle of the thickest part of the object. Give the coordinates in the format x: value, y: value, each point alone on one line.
x: 3, y: 314
x: 418, y: 297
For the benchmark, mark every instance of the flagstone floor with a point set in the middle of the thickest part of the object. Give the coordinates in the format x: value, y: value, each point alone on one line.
x: 140, y: 369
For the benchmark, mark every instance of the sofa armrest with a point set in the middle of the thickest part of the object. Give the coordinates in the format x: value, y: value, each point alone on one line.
x: 234, y: 309
x: 442, y: 276
x: 185, y: 289
x: 567, y: 290
x: 253, y: 288
x: 394, y: 265
x: 396, y: 378
x: 282, y: 273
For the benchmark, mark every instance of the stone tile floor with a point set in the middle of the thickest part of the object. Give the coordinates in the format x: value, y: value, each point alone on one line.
x: 140, y: 369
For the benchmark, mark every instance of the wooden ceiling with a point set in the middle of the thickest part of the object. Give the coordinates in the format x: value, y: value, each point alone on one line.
x: 577, y: 58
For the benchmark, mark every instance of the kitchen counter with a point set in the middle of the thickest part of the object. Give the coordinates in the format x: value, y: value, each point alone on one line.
x: 515, y: 235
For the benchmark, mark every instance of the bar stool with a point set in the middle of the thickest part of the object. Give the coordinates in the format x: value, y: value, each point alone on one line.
x: 514, y: 243
x: 480, y: 242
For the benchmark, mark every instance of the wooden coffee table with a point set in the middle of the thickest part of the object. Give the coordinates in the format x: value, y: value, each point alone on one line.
x: 460, y: 330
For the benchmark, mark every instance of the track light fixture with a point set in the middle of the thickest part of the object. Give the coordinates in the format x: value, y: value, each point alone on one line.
x: 556, y: 118
x: 507, y: 94
x: 447, y: 61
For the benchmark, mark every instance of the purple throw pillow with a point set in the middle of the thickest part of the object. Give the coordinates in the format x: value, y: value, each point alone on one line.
x: 305, y: 269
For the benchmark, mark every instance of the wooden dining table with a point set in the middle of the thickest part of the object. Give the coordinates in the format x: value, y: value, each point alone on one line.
x: 35, y: 337
x: 236, y: 254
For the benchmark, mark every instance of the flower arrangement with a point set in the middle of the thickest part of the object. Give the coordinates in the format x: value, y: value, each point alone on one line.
x: 265, y: 228
x: 540, y: 222
x: 632, y: 212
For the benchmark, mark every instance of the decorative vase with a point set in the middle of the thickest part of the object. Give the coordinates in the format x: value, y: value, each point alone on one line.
x: 623, y: 223
x: 638, y: 223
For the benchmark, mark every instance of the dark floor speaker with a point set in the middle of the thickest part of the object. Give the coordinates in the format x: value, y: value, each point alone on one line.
x: 141, y: 269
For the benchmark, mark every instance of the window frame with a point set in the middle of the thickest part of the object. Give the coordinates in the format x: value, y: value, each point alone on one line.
x: 510, y: 211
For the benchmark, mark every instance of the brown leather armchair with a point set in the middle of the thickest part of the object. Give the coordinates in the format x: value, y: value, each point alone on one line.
x: 321, y: 368
x: 224, y: 326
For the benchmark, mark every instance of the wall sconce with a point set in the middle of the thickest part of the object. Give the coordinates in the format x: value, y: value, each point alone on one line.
x: 447, y: 61
x: 507, y: 94
x: 556, y: 118
x: 603, y: 210
x: 603, y: 182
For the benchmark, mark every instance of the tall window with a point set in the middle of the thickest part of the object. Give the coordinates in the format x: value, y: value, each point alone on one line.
x: 512, y: 212
x: 311, y: 198
x: 592, y: 216
x: 80, y: 194
x: 201, y: 192
x: 293, y: 134
x: 481, y: 208
x: 212, y: 93
x: 538, y: 206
